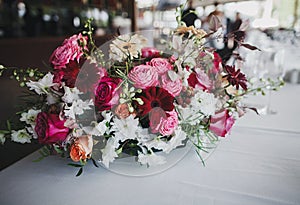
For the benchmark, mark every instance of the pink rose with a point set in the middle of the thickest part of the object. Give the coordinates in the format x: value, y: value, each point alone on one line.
x: 70, y: 50
x: 170, y: 124
x: 106, y: 94
x: 199, y: 79
x: 143, y: 76
x: 162, y: 65
x: 149, y: 52
x: 173, y: 87
x: 50, y: 128
x: 221, y: 123
x: 156, y: 118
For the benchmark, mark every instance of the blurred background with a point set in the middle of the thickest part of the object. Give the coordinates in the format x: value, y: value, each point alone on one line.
x: 31, y: 29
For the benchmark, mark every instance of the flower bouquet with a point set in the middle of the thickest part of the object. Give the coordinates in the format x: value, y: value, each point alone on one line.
x: 131, y: 97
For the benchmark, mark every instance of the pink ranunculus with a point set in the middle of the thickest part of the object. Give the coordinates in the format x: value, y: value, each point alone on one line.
x: 70, y: 50
x: 170, y: 124
x: 162, y: 65
x: 150, y: 52
x: 156, y: 118
x: 221, y: 123
x: 199, y: 79
x: 173, y: 87
x: 50, y: 128
x: 107, y: 94
x: 143, y: 76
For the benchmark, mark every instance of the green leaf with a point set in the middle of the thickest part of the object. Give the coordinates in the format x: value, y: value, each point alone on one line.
x: 79, y: 172
x: 95, y: 163
x: 39, y: 159
x: 8, y: 125
x: 75, y: 165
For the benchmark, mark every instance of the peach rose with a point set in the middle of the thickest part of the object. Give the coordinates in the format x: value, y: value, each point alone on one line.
x: 81, y: 149
x: 122, y: 111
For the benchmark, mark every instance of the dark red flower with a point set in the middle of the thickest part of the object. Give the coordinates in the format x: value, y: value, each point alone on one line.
x: 68, y: 74
x: 217, y: 63
x: 235, y: 77
x: 155, y: 97
x: 50, y: 128
x: 107, y: 94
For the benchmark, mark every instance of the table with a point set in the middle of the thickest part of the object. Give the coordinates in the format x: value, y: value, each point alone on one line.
x: 259, y: 163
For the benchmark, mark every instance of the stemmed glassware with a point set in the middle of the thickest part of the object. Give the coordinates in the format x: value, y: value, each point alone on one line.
x: 271, y: 66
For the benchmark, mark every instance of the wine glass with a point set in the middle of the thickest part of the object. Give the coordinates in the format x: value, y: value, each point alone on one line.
x: 272, y: 69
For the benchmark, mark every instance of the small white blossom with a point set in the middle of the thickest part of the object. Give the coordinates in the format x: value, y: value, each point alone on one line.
x: 175, y: 141
x: 32, y: 131
x: 125, y: 128
x: 204, y: 102
x: 42, y: 86
x: 109, y: 152
x: 151, y: 159
x: 2, y: 138
x: 21, y: 136
x: 77, y: 108
x: 29, y: 116
x: 71, y: 94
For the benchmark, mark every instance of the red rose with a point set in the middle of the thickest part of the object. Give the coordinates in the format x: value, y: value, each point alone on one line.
x: 70, y: 50
x: 221, y: 123
x: 50, y: 128
x: 149, y: 52
x: 106, y: 95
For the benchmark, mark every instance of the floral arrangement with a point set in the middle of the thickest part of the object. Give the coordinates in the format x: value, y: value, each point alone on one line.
x: 129, y: 97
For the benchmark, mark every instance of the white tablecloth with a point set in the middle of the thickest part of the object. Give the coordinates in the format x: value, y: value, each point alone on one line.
x: 251, y: 166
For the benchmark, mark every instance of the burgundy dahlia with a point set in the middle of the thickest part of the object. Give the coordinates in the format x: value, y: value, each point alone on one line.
x: 235, y: 77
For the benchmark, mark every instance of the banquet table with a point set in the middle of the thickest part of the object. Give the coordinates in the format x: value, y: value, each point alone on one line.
x: 258, y: 163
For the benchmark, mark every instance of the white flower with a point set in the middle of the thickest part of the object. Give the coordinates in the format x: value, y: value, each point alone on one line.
x: 151, y: 159
x: 126, y: 46
x: 125, y: 128
x: 2, y: 138
x: 175, y: 141
x: 29, y: 116
x: 190, y: 114
x: 42, y: 86
x: 204, y: 102
x: 32, y: 131
x: 143, y: 135
x: 156, y: 143
x: 21, y: 136
x: 71, y: 94
x: 99, y: 128
x: 77, y: 108
x: 109, y: 152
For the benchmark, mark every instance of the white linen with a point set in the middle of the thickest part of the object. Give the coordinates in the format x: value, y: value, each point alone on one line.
x: 251, y: 166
